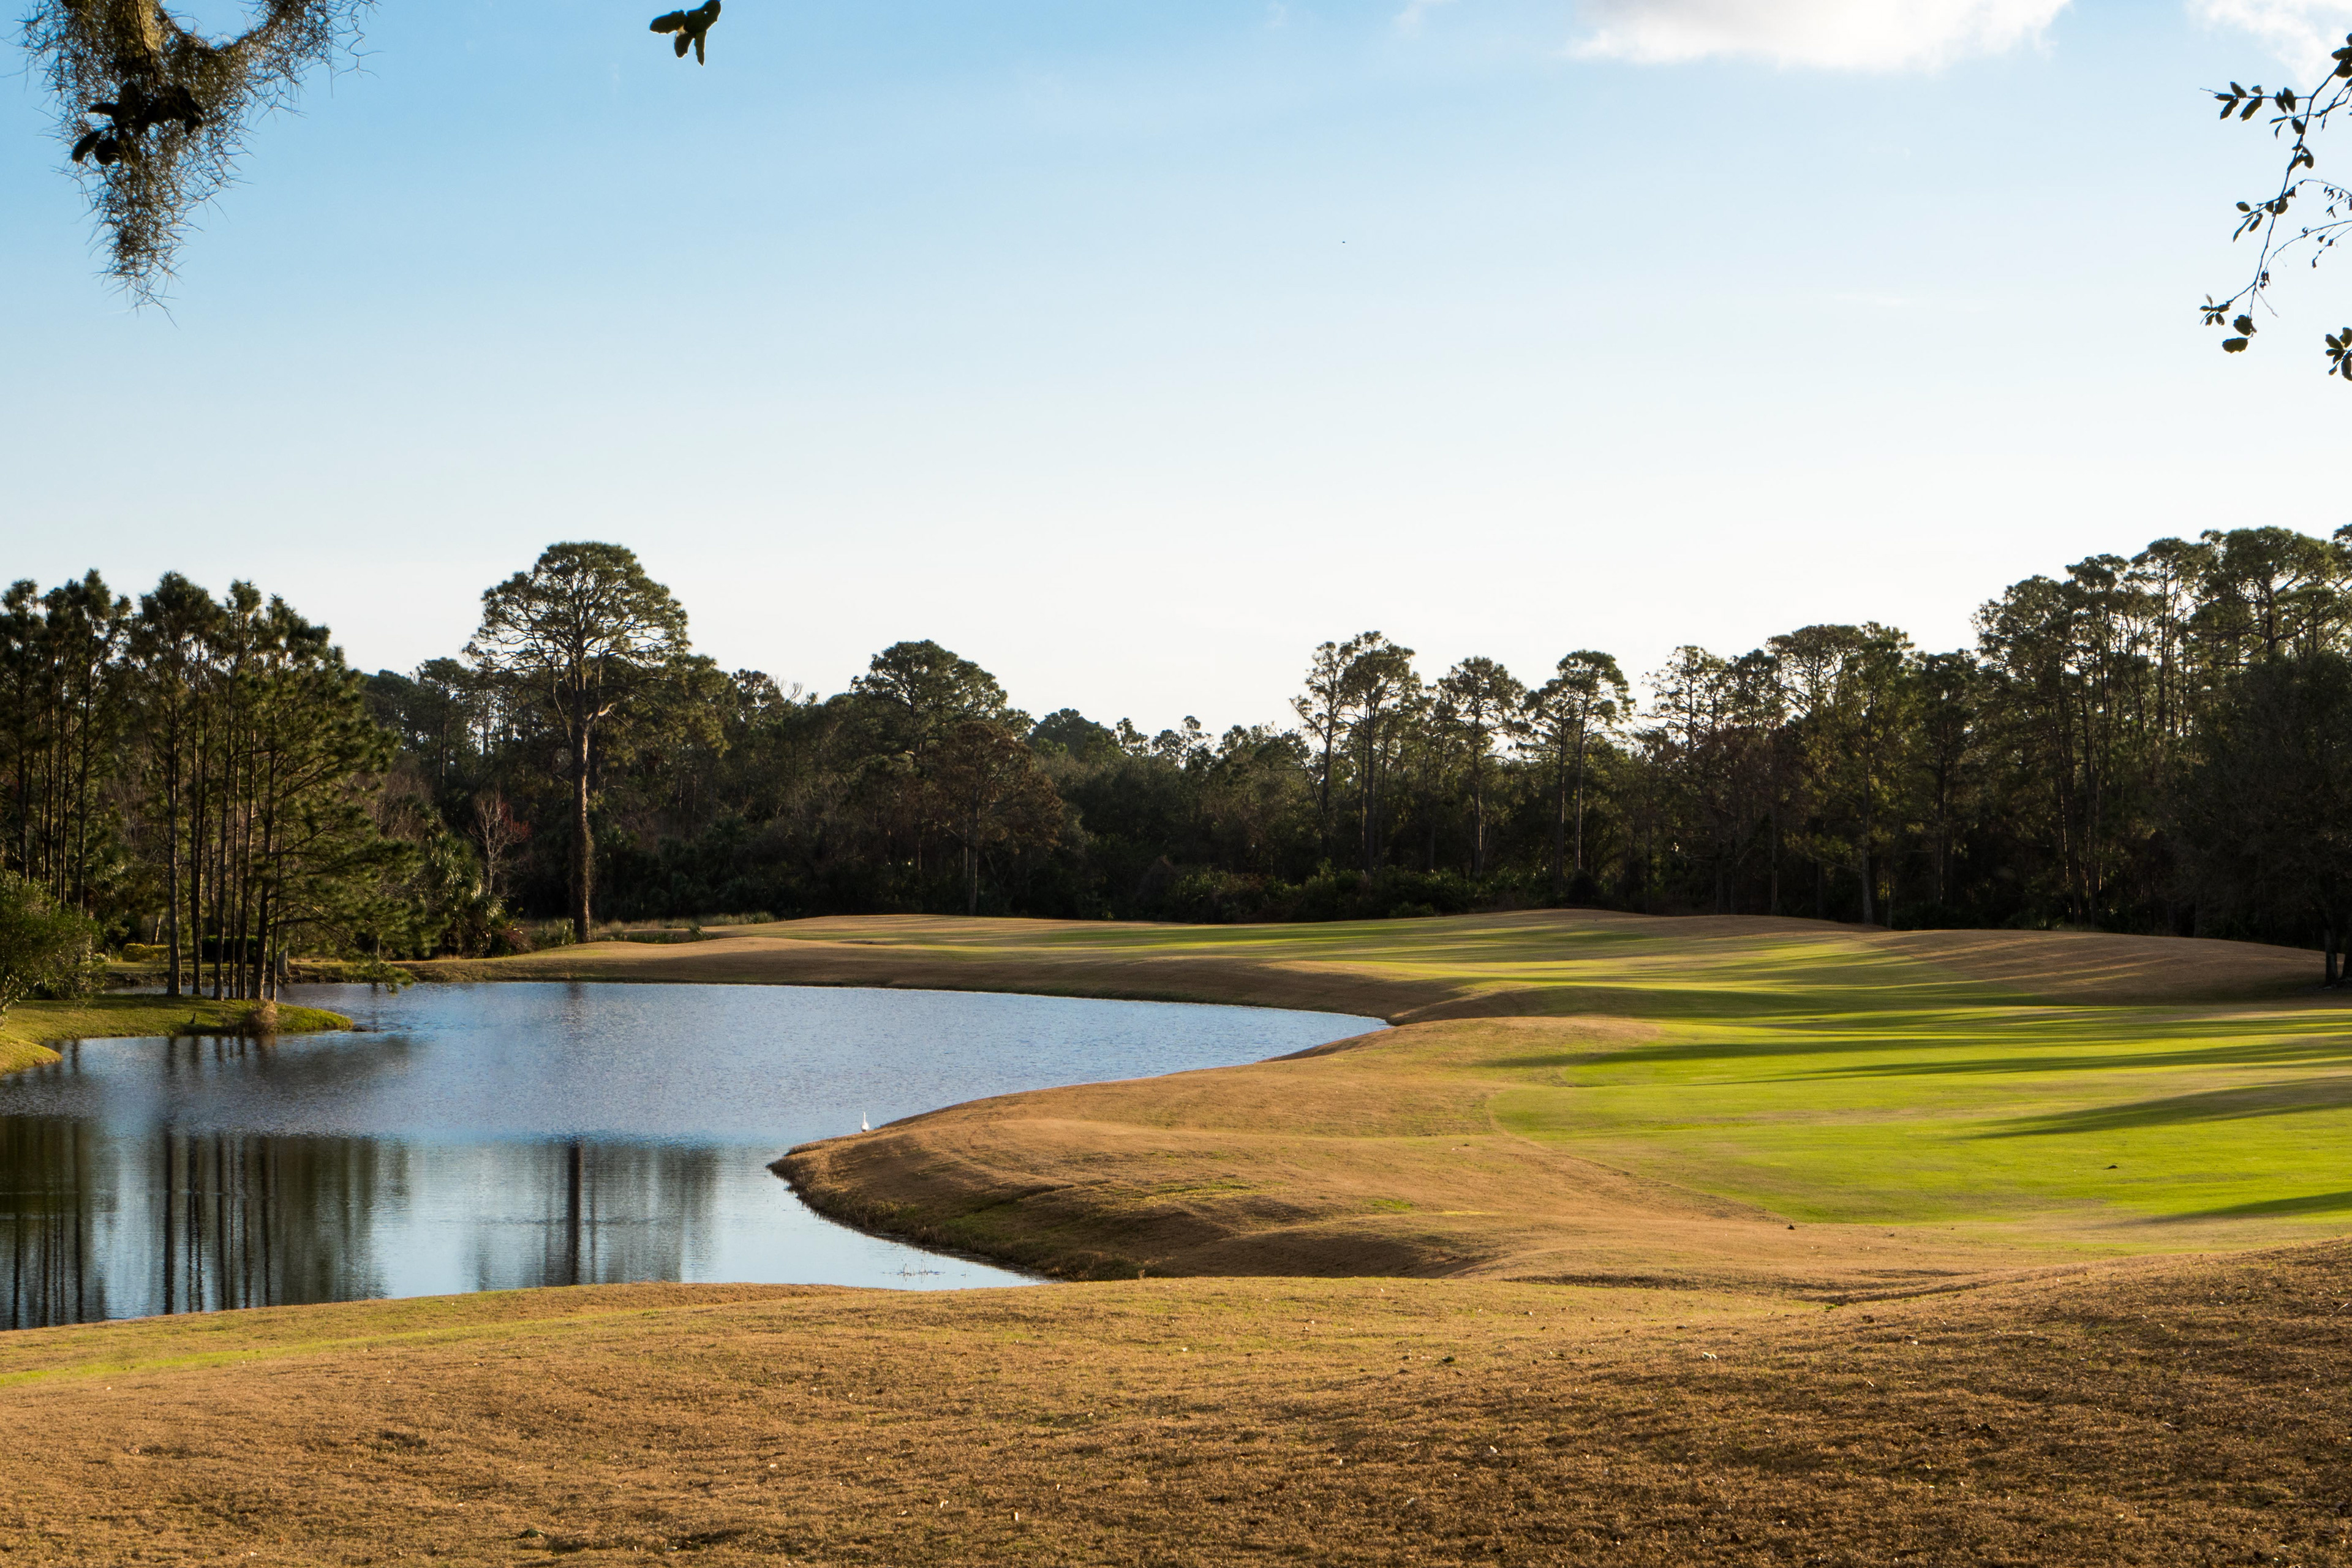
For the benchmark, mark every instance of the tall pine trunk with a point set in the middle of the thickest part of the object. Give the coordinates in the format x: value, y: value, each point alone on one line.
x: 240, y: 986
x: 172, y: 864
x: 216, y: 847
x: 1559, y: 824
x: 1580, y: 798
x: 583, y: 859
x: 1477, y: 820
x: 196, y: 870
x: 1869, y: 883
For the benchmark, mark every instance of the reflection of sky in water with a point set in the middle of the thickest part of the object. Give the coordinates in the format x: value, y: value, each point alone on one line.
x: 487, y: 1137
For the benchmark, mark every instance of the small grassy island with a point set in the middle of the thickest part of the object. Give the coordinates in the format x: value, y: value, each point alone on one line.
x: 1641, y: 1240
x: 29, y: 1029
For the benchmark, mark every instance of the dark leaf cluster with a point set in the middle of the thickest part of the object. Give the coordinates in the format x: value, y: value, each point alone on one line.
x: 2296, y: 118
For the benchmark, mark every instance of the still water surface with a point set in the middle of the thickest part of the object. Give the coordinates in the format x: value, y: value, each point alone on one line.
x: 489, y: 1137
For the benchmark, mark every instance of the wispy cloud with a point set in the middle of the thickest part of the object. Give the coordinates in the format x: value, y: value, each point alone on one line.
x: 1838, y: 35
x: 1409, y: 19
x: 2301, y: 32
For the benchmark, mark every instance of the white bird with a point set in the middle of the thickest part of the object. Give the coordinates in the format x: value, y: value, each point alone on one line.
x: 863, y: 1125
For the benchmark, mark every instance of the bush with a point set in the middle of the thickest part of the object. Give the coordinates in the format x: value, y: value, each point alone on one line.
x: 1226, y: 898
x: 1388, y: 894
x: 1208, y: 897
x: 542, y: 934
x: 45, y: 951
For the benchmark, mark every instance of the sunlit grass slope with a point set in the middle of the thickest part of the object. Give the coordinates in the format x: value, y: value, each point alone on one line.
x: 1542, y: 962
x: 27, y: 1028
x: 1642, y: 1093
x: 2119, y: 1124
x: 2176, y: 1411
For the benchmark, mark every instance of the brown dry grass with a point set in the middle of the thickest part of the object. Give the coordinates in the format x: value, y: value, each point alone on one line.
x: 2103, y: 967
x: 1398, y: 970
x: 2187, y: 1411
x: 1046, y: 958
x: 1377, y: 1155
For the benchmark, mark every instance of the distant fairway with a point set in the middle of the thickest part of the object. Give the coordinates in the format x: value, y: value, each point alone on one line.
x: 1868, y: 1087
x: 2085, y: 1123
x: 1575, y: 1094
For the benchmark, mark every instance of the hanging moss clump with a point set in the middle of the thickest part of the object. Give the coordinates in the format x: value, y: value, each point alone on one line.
x: 155, y: 115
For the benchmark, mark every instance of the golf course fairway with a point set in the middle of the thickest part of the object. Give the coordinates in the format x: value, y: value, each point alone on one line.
x: 1632, y: 1241
x: 1577, y: 1095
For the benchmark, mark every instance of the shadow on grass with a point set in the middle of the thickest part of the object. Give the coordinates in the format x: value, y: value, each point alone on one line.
x: 2315, y: 1203
x: 2253, y: 1052
x: 2213, y: 1105
x: 1925, y: 1038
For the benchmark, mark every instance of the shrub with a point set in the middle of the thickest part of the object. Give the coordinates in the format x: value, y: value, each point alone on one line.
x: 45, y: 951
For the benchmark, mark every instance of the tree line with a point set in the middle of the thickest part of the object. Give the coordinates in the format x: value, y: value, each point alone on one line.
x: 200, y: 772
x: 2145, y: 743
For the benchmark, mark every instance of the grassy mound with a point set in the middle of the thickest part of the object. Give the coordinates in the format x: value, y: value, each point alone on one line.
x: 1543, y: 962
x: 1595, y: 1096
x: 1587, y: 1095
x: 2182, y: 1411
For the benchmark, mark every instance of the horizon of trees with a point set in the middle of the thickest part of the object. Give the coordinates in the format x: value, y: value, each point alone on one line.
x: 2152, y: 743
x: 200, y: 773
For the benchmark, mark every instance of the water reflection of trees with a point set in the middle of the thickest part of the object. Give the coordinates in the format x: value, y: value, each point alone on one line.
x: 247, y: 1221
x: 99, y: 1225
x: 607, y: 1213
x: 44, y: 1203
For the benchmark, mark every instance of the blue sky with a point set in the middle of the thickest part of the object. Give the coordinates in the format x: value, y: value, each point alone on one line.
x: 1133, y: 349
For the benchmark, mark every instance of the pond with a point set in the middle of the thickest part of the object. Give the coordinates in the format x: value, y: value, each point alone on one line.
x: 494, y: 1136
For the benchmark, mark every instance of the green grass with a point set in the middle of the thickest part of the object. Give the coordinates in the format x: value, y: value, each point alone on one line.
x: 27, y: 1028
x: 2107, y: 1124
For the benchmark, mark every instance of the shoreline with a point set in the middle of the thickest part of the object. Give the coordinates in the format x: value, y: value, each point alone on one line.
x: 1337, y: 1161
x: 777, y: 1168
x: 1453, y: 1144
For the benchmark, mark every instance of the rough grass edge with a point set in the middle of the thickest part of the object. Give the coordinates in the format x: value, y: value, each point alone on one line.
x: 801, y: 1169
x: 27, y: 1028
